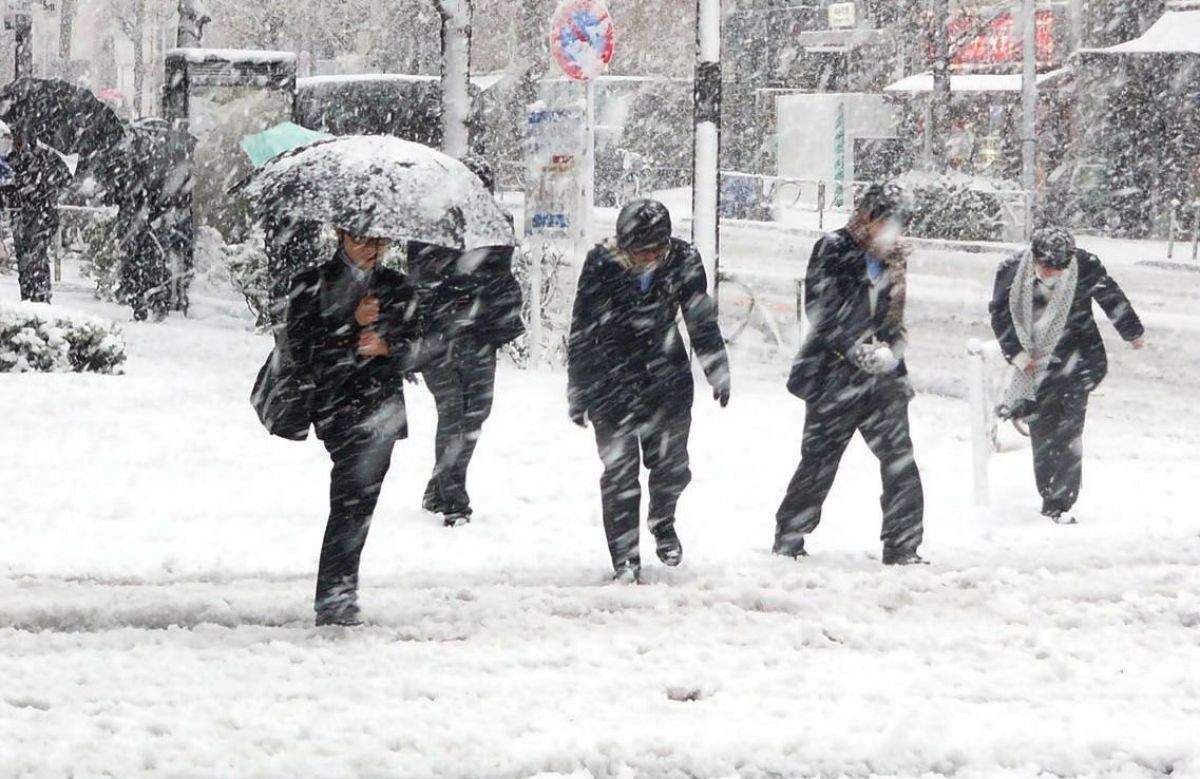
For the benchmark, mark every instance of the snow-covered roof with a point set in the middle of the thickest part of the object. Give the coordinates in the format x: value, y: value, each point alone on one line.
x: 972, y: 82
x: 1177, y: 31
x: 250, y: 56
x: 356, y: 78
x: 482, y: 82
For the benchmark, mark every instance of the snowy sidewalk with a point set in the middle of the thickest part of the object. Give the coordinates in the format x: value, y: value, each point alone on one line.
x: 159, y: 548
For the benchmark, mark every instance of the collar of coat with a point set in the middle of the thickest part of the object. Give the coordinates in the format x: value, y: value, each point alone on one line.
x: 895, y: 262
x: 626, y: 263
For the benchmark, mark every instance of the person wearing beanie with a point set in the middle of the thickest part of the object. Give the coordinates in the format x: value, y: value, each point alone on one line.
x: 852, y: 376
x: 630, y: 375
x: 1041, y: 312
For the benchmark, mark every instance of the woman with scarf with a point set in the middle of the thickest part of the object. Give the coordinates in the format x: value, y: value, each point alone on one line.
x: 852, y: 376
x: 1042, y: 315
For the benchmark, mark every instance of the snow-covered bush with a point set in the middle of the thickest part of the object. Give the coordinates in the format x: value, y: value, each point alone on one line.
x: 35, y: 337
x: 100, y: 259
x: 246, y: 264
x: 956, y: 208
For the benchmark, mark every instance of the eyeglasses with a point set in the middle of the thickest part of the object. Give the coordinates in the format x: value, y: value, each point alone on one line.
x: 374, y: 243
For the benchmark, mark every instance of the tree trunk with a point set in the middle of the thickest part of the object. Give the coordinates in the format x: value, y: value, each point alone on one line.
x: 139, y: 59
x: 66, y: 30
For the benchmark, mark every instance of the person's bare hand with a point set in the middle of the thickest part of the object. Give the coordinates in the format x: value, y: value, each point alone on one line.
x: 1032, y: 368
x: 367, y: 312
x: 371, y: 344
x: 1138, y: 343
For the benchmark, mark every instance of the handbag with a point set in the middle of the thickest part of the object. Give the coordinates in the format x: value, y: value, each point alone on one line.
x: 282, y: 399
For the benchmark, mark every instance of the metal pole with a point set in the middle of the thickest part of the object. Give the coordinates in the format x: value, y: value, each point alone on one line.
x: 1029, y: 108
x: 936, y: 124
x: 706, y: 158
x: 587, y: 179
x: 456, y: 75
x: 1171, y: 227
x: 981, y: 445
x: 1196, y: 231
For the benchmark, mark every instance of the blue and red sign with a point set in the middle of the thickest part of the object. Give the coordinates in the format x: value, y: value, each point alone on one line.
x: 582, y: 38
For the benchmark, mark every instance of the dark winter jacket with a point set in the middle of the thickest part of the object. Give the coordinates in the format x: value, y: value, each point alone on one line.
x: 627, y: 360
x: 1080, y: 358
x: 473, y: 299
x: 39, y: 178
x: 838, y: 307
x: 321, y: 336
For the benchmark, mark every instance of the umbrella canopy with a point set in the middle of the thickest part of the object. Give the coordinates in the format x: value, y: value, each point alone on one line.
x: 279, y: 139
x: 385, y: 187
x: 61, y: 115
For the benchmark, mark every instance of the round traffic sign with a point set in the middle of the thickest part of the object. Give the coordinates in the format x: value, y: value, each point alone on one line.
x: 582, y: 38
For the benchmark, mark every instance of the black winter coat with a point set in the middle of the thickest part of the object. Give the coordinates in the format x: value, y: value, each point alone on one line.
x: 476, y: 308
x: 1080, y: 357
x: 39, y: 178
x: 838, y: 307
x: 626, y: 357
x: 322, y: 342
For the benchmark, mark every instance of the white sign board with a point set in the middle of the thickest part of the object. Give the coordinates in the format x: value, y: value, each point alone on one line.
x: 554, y: 172
x: 843, y: 16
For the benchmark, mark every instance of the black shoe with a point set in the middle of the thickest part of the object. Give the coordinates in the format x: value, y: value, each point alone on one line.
x: 345, y: 617
x: 903, y: 558
x: 629, y: 572
x: 794, y: 551
x: 456, y: 519
x: 667, y: 544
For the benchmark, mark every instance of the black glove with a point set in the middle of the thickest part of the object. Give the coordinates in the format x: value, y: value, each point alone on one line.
x: 721, y: 395
x: 579, y: 417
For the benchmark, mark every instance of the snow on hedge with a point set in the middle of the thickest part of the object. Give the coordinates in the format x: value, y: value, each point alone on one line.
x: 35, y: 337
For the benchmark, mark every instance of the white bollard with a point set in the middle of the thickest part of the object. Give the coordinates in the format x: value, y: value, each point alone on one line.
x: 981, y: 443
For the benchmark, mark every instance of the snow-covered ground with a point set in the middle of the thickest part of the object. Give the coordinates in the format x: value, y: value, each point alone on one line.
x: 158, y: 552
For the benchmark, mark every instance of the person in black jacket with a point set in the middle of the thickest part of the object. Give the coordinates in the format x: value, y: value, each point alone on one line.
x: 1041, y: 313
x: 630, y: 374
x: 852, y: 375
x: 473, y: 300
x: 39, y: 178
x: 352, y: 333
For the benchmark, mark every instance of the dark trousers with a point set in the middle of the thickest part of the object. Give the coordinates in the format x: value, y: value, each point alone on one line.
x: 463, y: 394
x: 360, y: 463
x: 662, y: 443
x: 31, y: 244
x: 828, y: 428
x: 1056, y: 431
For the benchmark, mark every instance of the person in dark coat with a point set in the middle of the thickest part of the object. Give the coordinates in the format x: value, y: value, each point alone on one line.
x: 352, y: 333
x: 1041, y: 313
x: 144, y: 281
x: 852, y: 376
x: 39, y: 178
x: 630, y: 373
x: 473, y: 301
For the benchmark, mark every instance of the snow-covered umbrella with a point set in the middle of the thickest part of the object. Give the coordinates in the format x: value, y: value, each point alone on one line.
x: 384, y: 187
x: 63, y: 116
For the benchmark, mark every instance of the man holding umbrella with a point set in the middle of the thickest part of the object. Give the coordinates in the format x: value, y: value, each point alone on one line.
x: 352, y: 327
x: 630, y: 373
x: 49, y: 118
x: 39, y: 178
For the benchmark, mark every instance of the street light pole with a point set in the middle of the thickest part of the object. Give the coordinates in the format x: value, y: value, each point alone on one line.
x: 1029, y: 97
x: 706, y: 176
